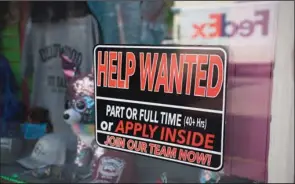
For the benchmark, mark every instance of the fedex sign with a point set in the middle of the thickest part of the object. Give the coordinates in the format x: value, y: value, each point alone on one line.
x: 221, y: 26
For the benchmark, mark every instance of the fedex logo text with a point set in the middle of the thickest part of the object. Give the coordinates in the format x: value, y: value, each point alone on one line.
x: 222, y: 27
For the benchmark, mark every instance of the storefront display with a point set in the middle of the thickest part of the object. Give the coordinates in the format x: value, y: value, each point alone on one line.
x: 44, y: 44
x: 105, y: 165
x: 49, y: 150
x: 52, y: 140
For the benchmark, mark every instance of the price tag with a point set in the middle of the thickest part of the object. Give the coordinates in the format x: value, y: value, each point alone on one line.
x: 6, y: 143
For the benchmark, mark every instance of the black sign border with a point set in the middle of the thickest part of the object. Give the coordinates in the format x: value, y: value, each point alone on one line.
x: 207, y: 47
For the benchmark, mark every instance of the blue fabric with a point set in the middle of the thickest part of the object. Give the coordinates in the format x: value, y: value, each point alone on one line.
x: 33, y: 131
x: 9, y: 103
x: 152, y: 33
x: 106, y: 13
x: 131, y: 21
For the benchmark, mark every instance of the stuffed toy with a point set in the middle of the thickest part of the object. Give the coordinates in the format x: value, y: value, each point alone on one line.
x: 80, y: 116
x: 107, y: 166
x: 79, y: 113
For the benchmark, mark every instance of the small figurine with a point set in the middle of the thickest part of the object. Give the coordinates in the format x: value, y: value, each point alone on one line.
x: 163, y: 178
x: 209, y: 176
x: 80, y: 116
x: 79, y: 113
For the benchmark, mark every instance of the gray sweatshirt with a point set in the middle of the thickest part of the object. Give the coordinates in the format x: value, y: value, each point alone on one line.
x: 44, y: 42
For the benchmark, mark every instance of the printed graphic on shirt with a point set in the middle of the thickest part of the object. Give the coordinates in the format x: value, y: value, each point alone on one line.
x: 56, y: 50
x: 56, y: 83
x: 71, y: 60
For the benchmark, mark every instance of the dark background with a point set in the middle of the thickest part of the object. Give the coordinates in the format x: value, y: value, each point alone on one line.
x: 215, y: 159
x: 214, y: 121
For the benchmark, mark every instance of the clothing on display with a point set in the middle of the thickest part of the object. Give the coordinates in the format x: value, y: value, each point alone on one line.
x: 152, y: 33
x: 59, y: 56
x: 10, y: 106
x: 51, y: 149
x: 44, y: 44
x: 10, y: 42
x: 120, y: 21
x: 39, y: 115
x: 33, y: 131
x: 10, y: 48
x: 153, y: 25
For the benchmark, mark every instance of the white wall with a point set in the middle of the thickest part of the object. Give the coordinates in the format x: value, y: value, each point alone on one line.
x: 281, y: 150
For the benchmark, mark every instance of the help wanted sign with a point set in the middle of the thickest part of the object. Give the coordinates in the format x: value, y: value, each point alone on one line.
x: 165, y: 102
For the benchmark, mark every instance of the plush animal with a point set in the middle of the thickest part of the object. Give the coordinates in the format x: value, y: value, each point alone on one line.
x: 80, y: 116
x: 79, y: 113
x: 106, y: 166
